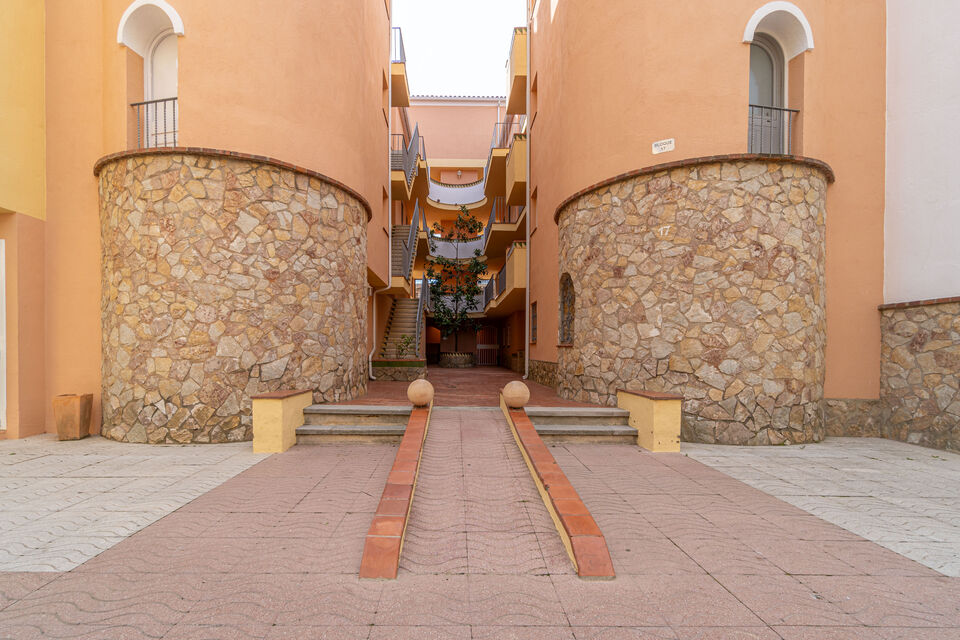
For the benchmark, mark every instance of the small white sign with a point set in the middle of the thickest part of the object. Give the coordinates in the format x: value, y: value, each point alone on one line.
x: 662, y: 146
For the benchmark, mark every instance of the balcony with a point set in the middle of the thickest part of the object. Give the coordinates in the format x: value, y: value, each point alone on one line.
x: 517, y: 73
x: 400, y: 88
x: 157, y: 122
x: 771, y: 130
x: 503, y: 133
x: 505, y: 226
x: 403, y: 163
x: 515, y: 172
x: 505, y: 292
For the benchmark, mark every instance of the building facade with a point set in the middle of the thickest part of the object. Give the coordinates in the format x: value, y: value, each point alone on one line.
x: 745, y: 203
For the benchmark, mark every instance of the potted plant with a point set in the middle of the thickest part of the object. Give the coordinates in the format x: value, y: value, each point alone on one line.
x: 403, y: 346
x: 71, y: 412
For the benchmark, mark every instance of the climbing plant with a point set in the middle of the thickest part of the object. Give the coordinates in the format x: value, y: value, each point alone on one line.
x: 455, y: 281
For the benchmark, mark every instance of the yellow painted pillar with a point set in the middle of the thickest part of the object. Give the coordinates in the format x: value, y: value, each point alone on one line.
x: 656, y: 417
x: 276, y: 417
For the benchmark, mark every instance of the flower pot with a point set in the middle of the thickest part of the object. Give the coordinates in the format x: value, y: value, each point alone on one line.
x: 72, y: 415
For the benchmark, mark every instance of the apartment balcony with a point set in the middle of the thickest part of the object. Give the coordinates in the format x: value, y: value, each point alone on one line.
x: 517, y: 73
x: 505, y: 226
x: 156, y: 123
x: 400, y: 88
x: 506, y: 291
x: 404, y: 163
x: 495, y: 171
x: 771, y: 130
x: 515, y: 172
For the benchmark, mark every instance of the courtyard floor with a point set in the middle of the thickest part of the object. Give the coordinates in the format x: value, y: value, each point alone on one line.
x: 270, y: 548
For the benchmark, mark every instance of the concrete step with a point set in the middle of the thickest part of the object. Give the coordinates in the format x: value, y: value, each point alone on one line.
x: 356, y: 414
x: 319, y: 434
x: 578, y: 416
x: 587, y: 432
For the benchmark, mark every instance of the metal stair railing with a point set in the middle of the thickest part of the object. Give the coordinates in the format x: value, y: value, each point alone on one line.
x: 423, y: 305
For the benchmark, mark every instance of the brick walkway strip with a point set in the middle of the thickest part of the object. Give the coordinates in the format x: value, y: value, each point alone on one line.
x: 384, y: 542
x: 581, y: 536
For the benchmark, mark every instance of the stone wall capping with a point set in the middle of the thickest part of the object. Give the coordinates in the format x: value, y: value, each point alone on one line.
x: 653, y: 395
x: 677, y: 164
x: 222, y: 153
x: 918, y: 303
x: 279, y: 395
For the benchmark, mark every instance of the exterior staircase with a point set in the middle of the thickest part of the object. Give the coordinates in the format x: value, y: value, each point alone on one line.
x: 400, y: 233
x: 402, y: 321
x: 582, y: 424
x: 346, y: 422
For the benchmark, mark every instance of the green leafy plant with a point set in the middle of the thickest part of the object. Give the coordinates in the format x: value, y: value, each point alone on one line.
x: 404, y: 345
x: 455, y: 282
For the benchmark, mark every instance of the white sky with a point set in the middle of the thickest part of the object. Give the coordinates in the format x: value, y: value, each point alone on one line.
x: 457, y: 47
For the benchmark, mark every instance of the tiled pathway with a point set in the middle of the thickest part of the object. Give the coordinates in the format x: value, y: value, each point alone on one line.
x: 902, y: 496
x: 274, y: 553
x: 62, y: 503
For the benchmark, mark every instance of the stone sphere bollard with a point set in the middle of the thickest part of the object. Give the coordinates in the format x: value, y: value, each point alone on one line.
x: 420, y: 393
x: 516, y: 394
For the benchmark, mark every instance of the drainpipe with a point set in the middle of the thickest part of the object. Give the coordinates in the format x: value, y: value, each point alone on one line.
x: 373, y: 332
x: 526, y: 347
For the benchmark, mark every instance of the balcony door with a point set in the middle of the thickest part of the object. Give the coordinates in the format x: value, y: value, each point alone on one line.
x: 768, y: 119
x: 160, y: 87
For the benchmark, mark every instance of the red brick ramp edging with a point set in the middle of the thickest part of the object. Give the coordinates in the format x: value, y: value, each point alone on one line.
x: 581, y: 536
x: 384, y: 543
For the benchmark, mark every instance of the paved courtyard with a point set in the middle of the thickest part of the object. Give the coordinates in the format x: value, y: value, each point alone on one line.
x: 274, y: 551
x: 901, y: 496
x: 62, y: 503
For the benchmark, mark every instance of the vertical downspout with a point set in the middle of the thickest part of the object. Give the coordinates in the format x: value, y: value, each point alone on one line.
x: 526, y: 347
x: 373, y: 330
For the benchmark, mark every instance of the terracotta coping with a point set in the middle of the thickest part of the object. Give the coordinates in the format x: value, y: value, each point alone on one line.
x: 919, y: 303
x: 237, y: 155
x: 678, y: 164
x: 384, y: 542
x: 564, y: 345
x: 654, y: 395
x: 582, y: 537
x: 280, y: 395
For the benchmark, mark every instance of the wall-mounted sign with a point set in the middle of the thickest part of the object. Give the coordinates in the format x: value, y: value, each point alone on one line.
x: 661, y: 146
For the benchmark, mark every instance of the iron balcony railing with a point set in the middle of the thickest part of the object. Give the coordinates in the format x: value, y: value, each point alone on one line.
x: 503, y: 133
x: 410, y: 243
x: 423, y: 305
x: 403, y: 157
x: 156, y: 123
x: 489, y: 291
x: 397, y: 52
x: 771, y: 130
x: 500, y: 214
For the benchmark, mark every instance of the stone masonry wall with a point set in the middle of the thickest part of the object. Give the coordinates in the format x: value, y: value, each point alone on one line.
x: 222, y: 278
x: 706, y: 280
x: 920, y: 373
x: 544, y: 372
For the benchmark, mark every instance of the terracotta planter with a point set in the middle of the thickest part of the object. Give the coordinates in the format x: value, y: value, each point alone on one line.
x: 72, y: 415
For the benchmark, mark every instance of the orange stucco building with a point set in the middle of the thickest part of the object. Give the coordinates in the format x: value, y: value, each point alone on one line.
x: 687, y: 196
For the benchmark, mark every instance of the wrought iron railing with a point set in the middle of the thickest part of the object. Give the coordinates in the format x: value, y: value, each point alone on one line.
x: 503, y: 133
x: 410, y: 244
x: 403, y: 157
x: 489, y: 291
x: 423, y: 305
x: 500, y: 213
x: 156, y: 123
x: 397, y: 52
x: 771, y: 130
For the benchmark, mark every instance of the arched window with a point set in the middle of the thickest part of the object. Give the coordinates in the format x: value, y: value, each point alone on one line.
x: 149, y: 28
x: 568, y: 299
x: 778, y: 33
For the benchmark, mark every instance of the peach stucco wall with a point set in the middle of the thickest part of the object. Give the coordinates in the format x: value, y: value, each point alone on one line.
x: 612, y: 77
x: 303, y: 86
x: 458, y: 130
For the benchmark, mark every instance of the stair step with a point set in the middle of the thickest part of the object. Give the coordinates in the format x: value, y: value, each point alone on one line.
x: 352, y: 429
x: 578, y: 416
x: 586, y: 430
x: 369, y: 415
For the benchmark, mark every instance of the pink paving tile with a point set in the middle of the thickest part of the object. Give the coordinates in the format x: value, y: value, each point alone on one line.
x: 892, y: 601
x: 784, y: 600
x: 726, y: 633
x: 425, y: 600
x: 437, y: 632
x: 624, y: 633
x: 830, y: 633
x: 481, y: 632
